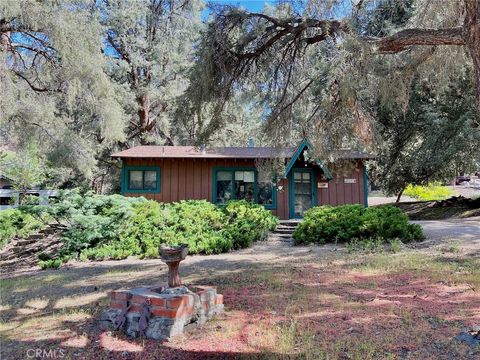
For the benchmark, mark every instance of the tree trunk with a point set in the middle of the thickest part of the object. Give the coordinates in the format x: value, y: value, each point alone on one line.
x: 399, y: 196
x: 146, y: 123
x: 472, y: 37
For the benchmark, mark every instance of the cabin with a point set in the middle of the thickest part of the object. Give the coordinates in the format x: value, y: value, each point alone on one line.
x: 174, y: 173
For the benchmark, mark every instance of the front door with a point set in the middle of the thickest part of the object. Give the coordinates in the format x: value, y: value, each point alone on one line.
x: 301, y: 192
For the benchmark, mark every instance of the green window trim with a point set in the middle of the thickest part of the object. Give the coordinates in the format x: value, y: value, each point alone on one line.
x: 365, y: 185
x: 233, y: 169
x: 305, y: 144
x: 125, y: 179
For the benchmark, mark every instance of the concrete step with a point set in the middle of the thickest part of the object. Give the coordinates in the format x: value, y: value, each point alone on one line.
x: 289, y: 222
x: 286, y: 227
x: 281, y: 235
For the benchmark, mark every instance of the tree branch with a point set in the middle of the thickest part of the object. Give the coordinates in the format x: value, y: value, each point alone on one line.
x: 406, y: 38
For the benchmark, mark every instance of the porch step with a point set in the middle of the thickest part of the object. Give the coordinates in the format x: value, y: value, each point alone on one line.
x: 284, y: 230
x: 293, y: 223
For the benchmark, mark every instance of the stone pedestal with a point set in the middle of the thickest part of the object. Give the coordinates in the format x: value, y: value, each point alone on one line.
x: 160, y: 313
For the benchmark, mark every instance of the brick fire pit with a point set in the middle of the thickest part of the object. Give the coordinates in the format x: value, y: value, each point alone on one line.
x: 162, y: 312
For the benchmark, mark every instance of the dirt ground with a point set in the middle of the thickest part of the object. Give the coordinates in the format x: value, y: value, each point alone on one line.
x: 318, y: 302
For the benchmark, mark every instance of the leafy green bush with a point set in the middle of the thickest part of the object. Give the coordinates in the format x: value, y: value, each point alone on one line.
x: 197, y: 223
x: 50, y: 264
x: 101, y: 227
x: 248, y: 223
x: 433, y: 191
x: 344, y: 223
x: 93, y: 220
x: 14, y: 222
x: 206, y: 228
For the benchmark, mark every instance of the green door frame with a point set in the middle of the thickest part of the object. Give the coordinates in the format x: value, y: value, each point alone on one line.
x: 291, y: 188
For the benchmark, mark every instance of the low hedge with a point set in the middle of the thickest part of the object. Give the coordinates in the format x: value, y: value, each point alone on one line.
x: 344, y: 223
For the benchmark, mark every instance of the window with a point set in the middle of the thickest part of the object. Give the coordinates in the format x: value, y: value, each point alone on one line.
x: 238, y: 183
x: 245, y: 185
x: 141, y: 179
x: 224, y: 187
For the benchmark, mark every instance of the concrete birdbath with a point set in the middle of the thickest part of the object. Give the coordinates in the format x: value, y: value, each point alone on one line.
x: 172, y: 255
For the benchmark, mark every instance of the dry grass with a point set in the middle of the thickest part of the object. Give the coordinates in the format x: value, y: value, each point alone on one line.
x: 323, y: 305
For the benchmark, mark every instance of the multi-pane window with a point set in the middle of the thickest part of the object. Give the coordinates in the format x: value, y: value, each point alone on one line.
x: 245, y: 185
x: 236, y: 184
x: 142, y: 179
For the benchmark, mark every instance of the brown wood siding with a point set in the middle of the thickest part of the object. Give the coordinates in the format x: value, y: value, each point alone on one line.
x: 183, y: 179
x: 339, y: 193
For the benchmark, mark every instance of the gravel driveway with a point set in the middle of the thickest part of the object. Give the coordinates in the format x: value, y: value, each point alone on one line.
x: 465, y: 231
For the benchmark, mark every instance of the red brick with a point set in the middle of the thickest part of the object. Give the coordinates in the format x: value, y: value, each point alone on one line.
x: 157, y: 301
x: 118, y: 304
x: 188, y: 310
x: 138, y: 299
x: 218, y: 299
x: 176, y: 302
x: 167, y: 313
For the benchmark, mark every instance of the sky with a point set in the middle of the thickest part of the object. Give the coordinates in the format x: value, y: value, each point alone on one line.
x: 251, y: 5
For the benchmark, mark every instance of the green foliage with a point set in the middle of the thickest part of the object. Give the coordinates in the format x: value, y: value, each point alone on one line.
x: 14, y: 222
x: 206, y: 228
x: 344, y: 223
x: 395, y: 245
x: 248, y: 223
x: 432, y: 191
x: 92, y: 219
x: 197, y: 223
x: 50, y: 264
x: 25, y: 168
x: 430, y: 137
x: 114, y: 227
x: 366, y: 246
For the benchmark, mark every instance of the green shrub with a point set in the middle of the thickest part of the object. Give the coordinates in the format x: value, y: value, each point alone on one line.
x: 50, y: 264
x: 101, y: 227
x: 433, y: 191
x: 206, y: 228
x: 344, y: 223
x: 248, y: 223
x: 14, y: 222
x: 106, y: 252
x: 395, y: 245
x: 93, y: 220
x: 197, y: 223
